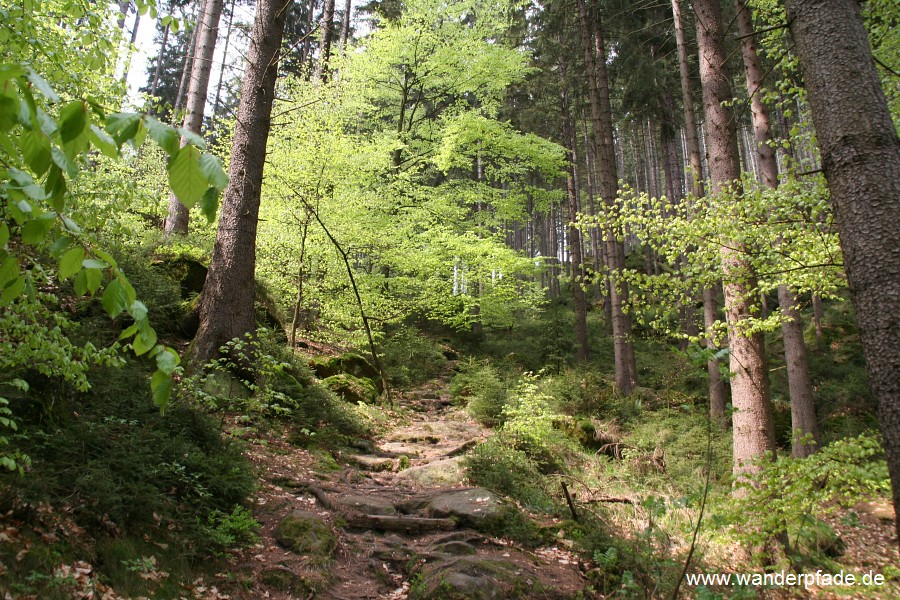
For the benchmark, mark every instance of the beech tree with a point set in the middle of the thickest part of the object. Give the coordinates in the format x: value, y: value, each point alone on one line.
x: 861, y: 160
x: 226, y: 303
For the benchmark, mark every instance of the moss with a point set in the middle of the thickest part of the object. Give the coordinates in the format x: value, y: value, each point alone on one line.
x: 307, y: 534
x: 350, y: 388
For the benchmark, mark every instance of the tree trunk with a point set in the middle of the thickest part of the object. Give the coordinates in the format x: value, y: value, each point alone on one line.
x: 221, y: 80
x: 189, y: 58
x: 226, y: 303
x: 607, y: 186
x: 326, y: 25
x: 818, y: 318
x: 717, y: 394
x: 752, y: 419
x: 156, y: 73
x: 861, y: 159
x: 179, y: 215
x: 578, y: 296
x: 345, y: 25
x: 803, y: 411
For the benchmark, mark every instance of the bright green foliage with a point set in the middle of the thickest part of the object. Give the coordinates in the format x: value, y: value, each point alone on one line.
x: 789, y: 493
x: 385, y: 155
x: 41, y: 155
x: 786, y: 235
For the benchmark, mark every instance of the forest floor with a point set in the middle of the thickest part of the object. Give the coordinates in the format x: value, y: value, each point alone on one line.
x: 405, y: 524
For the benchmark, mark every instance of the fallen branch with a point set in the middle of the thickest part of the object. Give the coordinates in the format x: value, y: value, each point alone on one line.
x: 612, y: 499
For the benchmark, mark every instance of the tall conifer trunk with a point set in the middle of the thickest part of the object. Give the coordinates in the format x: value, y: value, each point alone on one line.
x: 803, y: 411
x: 179, y: 216
x: 752, y: 419
x: 226, y: 303
x: 578, y: 295
x: 607, y: 187
x: 716, y: 386
x: 861, y: 159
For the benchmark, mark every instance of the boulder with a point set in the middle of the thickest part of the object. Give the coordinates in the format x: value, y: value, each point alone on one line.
x: 438, y: 473
x: 471, y: 578
x: 308, y: 534
x: 477, y: 508
x: 367, y: 505
x: 351, y: 388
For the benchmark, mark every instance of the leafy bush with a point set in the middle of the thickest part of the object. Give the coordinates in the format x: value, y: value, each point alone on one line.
x: 118, y: 462
x: 410, y: 357
x: 481, y: 385
x: 505, y: 470
x: 785, y: 497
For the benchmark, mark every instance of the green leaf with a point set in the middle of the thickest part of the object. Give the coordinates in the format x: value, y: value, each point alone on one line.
x: 103, y: 142
x: 9, y: 109
x: 167, y: 360
x: 192, y: 138
x: 162, y: 134
x: 93, y: 279
x: 72, y: 121
x: 114, y: 301
x: 62, y: 161
x: 12, y: 291
x: 70, y: 224
x: 93, y: 263
x: 129, y: 331
x: 138, y: 310
x: 161, y: 384
x: 9, y: 270
x: 103, y: 255
x: 70, y: 263
x: 4, y: 234
x: 145, y: 339
x: 41, y: 85
x: 185, y: 176
x: 35, y: 230
x: 214, y: 172
x: 123, y: 126
x: 81, y: 283
x: 209, y: 204
x: 35, y: 150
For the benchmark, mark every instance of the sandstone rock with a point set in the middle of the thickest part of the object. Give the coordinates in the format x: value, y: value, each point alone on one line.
x: 308, y: 534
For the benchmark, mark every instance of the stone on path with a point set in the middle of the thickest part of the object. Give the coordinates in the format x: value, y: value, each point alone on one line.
x: 438, y: 473
x: 477, y: 507
x: 308, y: 534
x: 367, y: 505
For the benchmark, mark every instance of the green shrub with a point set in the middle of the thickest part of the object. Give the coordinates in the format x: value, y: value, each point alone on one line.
x: 410, y: 357
x: 481, y: 386
x: 118, y: 460
x: 505, y: 470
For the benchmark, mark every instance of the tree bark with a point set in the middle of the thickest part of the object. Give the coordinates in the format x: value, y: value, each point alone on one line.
x: 717, y: 393
x: 156, y: 73
x: 861, y: 160
x: 803, y: 412
x: 226, y: 303
x: 221, y: 80
x: 326, y: 25
x: 189, y: 58
x: 178, y: 219
x: 578, y: 295
x: 752, y: 419
x: 607, y: 186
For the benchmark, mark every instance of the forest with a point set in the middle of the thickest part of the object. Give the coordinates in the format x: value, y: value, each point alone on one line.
x: 449, y: 299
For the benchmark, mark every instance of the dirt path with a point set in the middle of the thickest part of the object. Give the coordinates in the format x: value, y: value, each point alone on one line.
x: 405, y: 524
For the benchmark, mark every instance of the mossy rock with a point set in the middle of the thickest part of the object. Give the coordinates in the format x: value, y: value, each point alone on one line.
x: 350, y: 363
x: 282, y: 579
x: 472, y: 578
x: 306, y: 533
x: 350, y: 388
